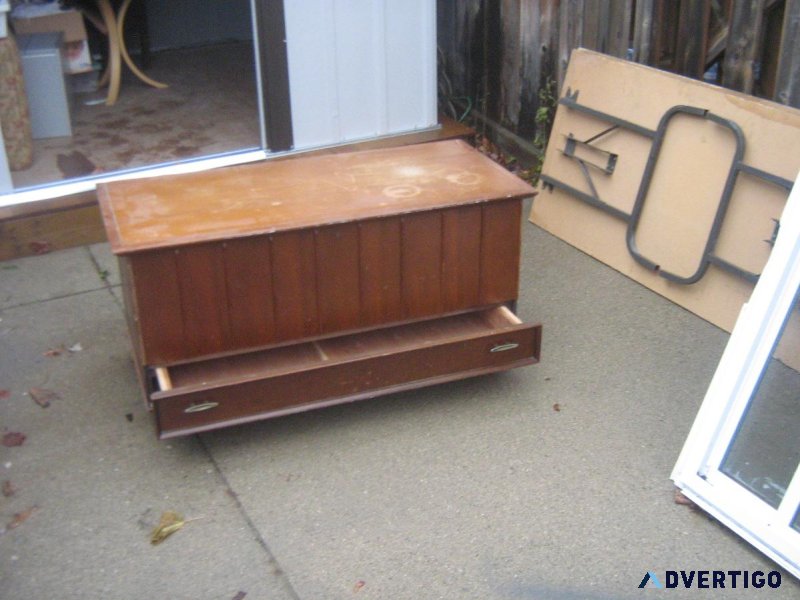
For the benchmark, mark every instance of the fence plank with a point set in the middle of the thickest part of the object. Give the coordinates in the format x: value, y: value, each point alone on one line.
x: 742, y: 45
x: 593, y: 24
x: 570, y: 33
x: 643, y: 31
x: 548, y: 19
x: 532, y: 49
x: 619, y: 27
x: 511, y: 63
x: 692, y: 37
x: 787, y: 87
x: 465, y: 17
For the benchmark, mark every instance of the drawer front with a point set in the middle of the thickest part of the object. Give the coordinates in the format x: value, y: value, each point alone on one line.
x: 335, y: 382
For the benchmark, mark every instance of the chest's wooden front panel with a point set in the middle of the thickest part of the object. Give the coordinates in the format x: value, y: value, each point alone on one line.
x: 218, y: 297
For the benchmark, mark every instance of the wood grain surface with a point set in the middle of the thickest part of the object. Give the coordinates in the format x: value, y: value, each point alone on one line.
x: 274, y: 196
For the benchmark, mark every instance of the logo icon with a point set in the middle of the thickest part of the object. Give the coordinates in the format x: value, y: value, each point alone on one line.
x: 651, y: 577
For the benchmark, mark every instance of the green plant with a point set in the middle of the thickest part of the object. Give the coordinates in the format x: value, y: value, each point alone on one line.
x: 544, y: 122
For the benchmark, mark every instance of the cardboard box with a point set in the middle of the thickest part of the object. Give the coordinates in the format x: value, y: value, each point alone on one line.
x: 70, y: 22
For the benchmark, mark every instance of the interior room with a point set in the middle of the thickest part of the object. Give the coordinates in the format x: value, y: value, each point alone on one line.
x: 201, y: 51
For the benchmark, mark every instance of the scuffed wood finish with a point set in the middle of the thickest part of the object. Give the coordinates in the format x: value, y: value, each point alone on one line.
x: 248, y: 272
x: 422, y: 264
x: 294, y: 284
x: 276, y: 196
x: 338, y: 289
x: 406, y: 287
x: 204, y: 299
x: 461, y: 257
x: 500, y: 240
x: 154, y: 278
x: 380, y: 271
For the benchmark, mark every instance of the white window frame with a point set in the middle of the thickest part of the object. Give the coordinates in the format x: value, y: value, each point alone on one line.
x: 697, y: 471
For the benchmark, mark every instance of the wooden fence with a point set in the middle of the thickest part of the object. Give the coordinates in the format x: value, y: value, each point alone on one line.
x: 503, y: 61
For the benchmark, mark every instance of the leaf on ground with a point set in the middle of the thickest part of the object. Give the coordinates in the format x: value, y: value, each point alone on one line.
x: 75, y: 347
x: 8, y: 488
x: 557, y: 407
x: 239, y: 595
x: 4, y: 394
x: 170, y: 523
x: 21, y: 517
x: 13, y: 438
x: 43, y: 397
x: 51, y: 352
x: 684, y: 501
x: 40, y: 247
x: 359, y: 584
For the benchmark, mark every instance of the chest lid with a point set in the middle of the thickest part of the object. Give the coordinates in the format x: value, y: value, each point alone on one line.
x: 279, y: 195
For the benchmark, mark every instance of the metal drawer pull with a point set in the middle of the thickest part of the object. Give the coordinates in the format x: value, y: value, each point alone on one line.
x: 504, y: 347
x: 201, y: 407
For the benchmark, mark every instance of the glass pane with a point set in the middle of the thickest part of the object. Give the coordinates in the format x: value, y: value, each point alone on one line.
x: 765, y: 451
x: 203, y: 52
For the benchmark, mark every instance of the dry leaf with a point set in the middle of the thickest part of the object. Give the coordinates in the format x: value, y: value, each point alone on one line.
x: 4, y: 394
x: 40, y: 247
x: 684, y: 501
x: 43, y: 397
x: 13, y: 438
x: 8, y: 488
x: 359, y: 584
x: 21, y: 517
x: 239, y: 595
x: 170, y: 523
x: 557, y: 407
x: 58, y: 351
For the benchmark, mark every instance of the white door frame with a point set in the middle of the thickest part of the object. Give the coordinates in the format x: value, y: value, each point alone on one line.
x: 697, y: 471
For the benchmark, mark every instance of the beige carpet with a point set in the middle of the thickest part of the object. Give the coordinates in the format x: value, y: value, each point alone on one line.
x: 209, y: 107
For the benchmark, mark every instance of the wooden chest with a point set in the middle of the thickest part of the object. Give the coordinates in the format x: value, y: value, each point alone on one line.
x: 264, y: 289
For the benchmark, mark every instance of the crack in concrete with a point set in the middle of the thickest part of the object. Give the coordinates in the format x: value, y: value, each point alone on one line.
x: 277, y: 570
x: 61, y: 297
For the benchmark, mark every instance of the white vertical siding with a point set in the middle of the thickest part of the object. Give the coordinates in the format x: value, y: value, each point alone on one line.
x: 411, y: 63
x: 360, y: 68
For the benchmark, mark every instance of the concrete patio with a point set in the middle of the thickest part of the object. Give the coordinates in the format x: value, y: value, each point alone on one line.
x: 546, y: 482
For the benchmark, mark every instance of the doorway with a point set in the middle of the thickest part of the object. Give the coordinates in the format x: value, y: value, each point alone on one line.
x: 204, y: 52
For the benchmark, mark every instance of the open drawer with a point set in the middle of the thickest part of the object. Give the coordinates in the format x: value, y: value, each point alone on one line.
x: 215, y: 393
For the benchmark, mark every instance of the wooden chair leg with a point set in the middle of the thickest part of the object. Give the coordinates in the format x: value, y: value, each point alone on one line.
x: 114, y: 69
x: 124, y: 49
